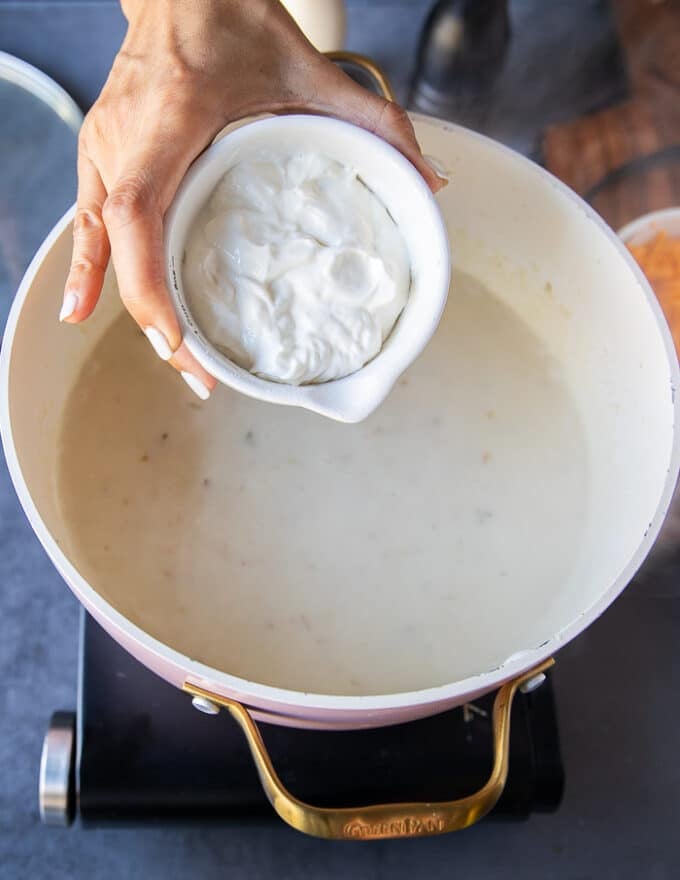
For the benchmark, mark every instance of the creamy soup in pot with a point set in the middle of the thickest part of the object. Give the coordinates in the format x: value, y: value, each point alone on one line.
x: 294, y: 551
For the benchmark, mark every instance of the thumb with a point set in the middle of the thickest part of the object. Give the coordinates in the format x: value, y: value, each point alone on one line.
x: 384, y: 118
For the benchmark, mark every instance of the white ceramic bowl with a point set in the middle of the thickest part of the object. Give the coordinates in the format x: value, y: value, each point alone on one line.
x: 402, y: 190
x: 646, y: 227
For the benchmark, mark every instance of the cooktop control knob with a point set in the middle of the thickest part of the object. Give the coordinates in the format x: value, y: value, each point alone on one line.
x: 56, y: 789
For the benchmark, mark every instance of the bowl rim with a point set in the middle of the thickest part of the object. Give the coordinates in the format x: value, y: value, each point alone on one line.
x: 647, y: 222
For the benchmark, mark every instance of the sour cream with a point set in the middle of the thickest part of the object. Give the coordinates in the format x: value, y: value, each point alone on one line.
x: 294, y: 268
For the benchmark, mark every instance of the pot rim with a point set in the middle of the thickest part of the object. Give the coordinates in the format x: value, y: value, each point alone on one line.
x: 255, y: 693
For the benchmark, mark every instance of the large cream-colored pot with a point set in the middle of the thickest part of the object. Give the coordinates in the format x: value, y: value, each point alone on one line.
x: 512, y: 226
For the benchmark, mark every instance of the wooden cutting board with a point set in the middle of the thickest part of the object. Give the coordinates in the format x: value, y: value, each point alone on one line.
x: 626, y: 159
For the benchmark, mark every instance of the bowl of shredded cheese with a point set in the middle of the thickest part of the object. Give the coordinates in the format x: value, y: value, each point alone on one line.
x: 654, y: 241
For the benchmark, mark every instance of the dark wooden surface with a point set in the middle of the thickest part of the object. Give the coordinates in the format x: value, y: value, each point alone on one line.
x: 584, y: 151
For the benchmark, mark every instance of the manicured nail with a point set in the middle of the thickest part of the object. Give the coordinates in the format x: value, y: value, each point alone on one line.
x: 438, y: 168
x: 68, y: 306
x: 196, y: 385
x: 160, y: 344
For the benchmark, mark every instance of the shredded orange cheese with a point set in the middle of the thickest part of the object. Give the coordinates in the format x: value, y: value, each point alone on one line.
x: 659, y: 259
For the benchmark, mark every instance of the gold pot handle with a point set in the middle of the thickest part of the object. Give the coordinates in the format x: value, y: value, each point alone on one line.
x: 382, y: 820
x: 354, y: 59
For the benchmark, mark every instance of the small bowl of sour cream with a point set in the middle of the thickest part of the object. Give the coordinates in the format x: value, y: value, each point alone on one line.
x: 308, y: 262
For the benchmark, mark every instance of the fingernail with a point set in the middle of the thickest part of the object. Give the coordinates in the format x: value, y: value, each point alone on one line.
x: 196, y: 385
x: 68, y: 306
x: 438, y: 168
x: 160, y: 344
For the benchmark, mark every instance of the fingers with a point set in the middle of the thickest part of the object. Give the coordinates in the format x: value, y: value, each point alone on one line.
x: 348, y: 100
x: 134, y: 220
x: 90, y: 247
x: 198, y: 379
x: 127, y: 225
x: 133, y: 214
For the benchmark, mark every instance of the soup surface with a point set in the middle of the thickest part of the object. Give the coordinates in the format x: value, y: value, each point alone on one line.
x: 404, y: 552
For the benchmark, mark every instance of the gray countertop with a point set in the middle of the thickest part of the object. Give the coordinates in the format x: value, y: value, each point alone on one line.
x: 616, y: 686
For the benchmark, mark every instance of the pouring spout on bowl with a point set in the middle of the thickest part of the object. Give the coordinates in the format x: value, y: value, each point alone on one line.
x: 351, y: 399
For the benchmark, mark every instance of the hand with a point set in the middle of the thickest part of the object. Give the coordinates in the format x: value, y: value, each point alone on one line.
x: 187, y: 68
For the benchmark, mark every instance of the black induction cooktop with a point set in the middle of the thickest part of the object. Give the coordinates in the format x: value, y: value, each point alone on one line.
x: 142, y: 753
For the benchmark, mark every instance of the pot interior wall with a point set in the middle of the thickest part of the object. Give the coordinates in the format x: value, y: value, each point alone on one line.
x: 550, y: 262
x: 543, y: 265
